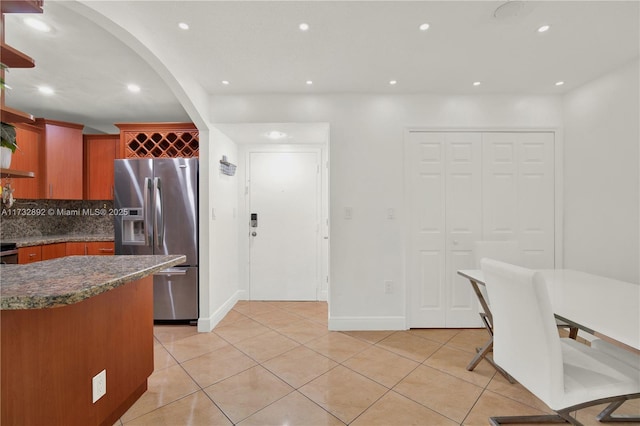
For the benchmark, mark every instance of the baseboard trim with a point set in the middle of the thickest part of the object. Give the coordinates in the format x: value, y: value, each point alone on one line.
x: 205, y: 325
x: 366, y: 323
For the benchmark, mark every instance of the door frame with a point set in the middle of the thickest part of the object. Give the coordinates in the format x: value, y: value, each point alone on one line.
x: 323, y: 205
x: 408, y: 191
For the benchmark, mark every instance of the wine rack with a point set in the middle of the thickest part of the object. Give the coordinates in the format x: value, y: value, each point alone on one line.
x: 166, y: 140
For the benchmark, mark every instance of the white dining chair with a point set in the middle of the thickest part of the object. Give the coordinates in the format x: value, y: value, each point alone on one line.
x: 626, y: 356
x: 506, y: 251
x: 563, y: 373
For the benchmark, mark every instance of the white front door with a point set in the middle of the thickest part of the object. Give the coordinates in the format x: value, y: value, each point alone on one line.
x: 284, y: 194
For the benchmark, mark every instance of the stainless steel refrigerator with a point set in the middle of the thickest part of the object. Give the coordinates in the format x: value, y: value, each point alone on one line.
x: 161, y: 198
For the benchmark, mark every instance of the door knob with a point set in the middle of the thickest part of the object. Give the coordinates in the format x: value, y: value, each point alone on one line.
x: 254, y: 233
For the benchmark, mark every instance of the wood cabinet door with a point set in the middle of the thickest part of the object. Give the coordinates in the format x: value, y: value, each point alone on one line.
x: 53, y: 251
x: 27, y: 158
x: 104, y: 248
x: 63, y: 160
x: 76, y: 249
x: 29, y: 254
x: 99, y: 153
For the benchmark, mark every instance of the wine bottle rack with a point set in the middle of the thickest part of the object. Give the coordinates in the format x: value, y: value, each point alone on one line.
x: 159, y: 143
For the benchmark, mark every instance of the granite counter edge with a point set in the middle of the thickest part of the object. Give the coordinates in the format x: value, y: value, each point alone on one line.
x: 55, y: 301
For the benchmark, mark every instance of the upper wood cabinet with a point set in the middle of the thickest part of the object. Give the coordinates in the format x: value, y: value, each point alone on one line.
x: 169, y: 140
x: 99, y: 153
x: 27, y: 158
x: 62, y: 163
x: 13, y: 58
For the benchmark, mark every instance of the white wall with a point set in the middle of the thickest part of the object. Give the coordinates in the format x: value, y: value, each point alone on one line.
x: 220, y: 292
x: 601, y: 164
x: 366, y: 174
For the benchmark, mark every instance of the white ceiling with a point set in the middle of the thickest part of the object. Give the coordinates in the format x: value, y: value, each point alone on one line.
x: 351, y: 47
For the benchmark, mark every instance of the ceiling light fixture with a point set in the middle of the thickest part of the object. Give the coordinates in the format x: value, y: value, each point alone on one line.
x: 37, y: 24
x: 46, y: 90
x: 304, y: 26
x: 544, y: 28
x: 393, y: 82
x: 559, y: 83
x: 477, y: 83
x: 309, y: 82
x: 275, y: 135
x: 225, y: 82
x: 133, y: 88
x: 424, y: 27
x: 183, y: 26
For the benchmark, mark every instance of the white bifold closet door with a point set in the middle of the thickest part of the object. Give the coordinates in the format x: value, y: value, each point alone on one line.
x: 467, y: 186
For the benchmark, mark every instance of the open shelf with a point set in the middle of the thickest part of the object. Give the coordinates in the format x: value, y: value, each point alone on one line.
x: 21, y: 6
x: 10, y: 173
x: 11, y: 115
x: 13, y: 58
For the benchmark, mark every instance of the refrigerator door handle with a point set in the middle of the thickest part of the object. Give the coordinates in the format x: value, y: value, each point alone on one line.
x: 147, y: 205
x: 172, y: 271
x: 158, y: 228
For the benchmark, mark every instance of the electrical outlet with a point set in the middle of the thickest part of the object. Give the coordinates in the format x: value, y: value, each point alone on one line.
x: 99, y: 385
x: 388, y: 287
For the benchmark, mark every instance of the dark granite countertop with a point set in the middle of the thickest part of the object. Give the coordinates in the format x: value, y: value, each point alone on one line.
x: 61, y: 238
x: 71, y: 279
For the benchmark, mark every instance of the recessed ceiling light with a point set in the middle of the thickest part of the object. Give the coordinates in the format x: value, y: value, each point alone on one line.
x: 183, y: 26
x: 275, y: 135
x: 133, y: 88
x: 393, y: 82
x: 309, y: 82
x: 46, y: 90
x: 477, y: 83
x: 559, y: 83
x: 544, y: 28
x: 38, y: 24
x: 424, y: 27
x: 304, y: 26
x: 225, y: 82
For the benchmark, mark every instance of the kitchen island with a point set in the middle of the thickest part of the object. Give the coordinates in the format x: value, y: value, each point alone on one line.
x: 63, y: 322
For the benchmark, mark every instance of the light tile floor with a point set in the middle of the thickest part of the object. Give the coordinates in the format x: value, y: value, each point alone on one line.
x: 275, y: 363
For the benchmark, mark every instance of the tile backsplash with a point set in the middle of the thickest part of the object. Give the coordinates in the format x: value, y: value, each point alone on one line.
x: 34, y: 218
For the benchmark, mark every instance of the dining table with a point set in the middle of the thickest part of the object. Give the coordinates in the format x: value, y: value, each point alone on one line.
x: 604, y: 307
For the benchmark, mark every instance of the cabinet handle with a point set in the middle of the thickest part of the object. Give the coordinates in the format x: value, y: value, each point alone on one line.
x: 106, y: 250
x: 50, y: 190
x: 85, y: 250
x: 32, y: 255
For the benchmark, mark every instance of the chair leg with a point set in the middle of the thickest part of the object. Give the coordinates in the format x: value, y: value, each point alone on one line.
x: 547, y: 418
x: 606, y: 415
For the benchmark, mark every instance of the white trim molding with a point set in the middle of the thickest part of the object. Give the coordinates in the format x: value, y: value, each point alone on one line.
x: 367, y: 323
x: 205, y: 325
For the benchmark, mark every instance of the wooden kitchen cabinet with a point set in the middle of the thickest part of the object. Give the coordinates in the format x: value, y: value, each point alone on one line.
x: 62, y: 161
x: 29, y: 254
x: 90, y: 248
x: 104, y: 248
x: 158, y: 140
x: 53, y: 251
x: 27, y: 158
x: 99, y: 153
